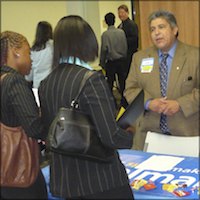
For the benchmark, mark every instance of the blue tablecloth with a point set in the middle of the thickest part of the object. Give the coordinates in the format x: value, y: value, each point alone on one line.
x: 186, y: 171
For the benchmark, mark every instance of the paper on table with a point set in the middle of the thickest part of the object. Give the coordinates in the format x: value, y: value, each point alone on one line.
x: 160, y: 163
x: 35, y: 92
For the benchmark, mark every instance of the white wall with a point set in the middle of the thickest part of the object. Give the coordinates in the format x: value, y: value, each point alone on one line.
x: 89, y: 11
x: 93, y: 12
x: 23, y: 16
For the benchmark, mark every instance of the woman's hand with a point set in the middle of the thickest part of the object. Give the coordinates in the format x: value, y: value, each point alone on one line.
x: 131, y: 129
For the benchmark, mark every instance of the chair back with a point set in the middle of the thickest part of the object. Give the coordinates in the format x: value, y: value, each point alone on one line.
x: 173, y: 145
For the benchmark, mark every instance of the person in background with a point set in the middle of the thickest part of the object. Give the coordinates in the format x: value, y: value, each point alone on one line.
x: 131, y: 30
x: 113, y: 53
x: 18, y: 106
x: 41, y: 54
x: 168, y: 72
x: 72, y: 177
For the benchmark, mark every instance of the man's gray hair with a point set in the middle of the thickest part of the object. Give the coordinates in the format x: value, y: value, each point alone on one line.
x: 163, y: 14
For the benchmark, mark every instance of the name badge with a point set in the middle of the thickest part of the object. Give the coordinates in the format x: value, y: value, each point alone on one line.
x: 147, y: 65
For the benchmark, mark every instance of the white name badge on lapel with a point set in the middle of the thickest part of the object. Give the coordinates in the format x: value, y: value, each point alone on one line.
x: 147, y: 65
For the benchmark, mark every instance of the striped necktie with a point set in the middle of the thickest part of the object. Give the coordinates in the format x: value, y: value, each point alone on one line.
x: 163, y: 86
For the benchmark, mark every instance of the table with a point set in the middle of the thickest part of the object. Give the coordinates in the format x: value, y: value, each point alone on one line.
x: 161, y: 169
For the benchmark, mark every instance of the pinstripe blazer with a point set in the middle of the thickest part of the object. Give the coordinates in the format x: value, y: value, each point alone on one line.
x: 18, y: 106
x: 73, y: 177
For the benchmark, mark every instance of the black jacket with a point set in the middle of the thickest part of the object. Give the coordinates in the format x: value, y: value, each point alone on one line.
x: 70, y: 176
x: 18, y: 105
x: 131, y: 30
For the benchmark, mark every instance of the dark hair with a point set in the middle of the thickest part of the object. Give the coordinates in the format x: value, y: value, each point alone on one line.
x: 10, y: 39
x: 110, y: 19
x: 74, y: 37
x: 43, y: 34
x: 124, y: 7
x: 168, y: 16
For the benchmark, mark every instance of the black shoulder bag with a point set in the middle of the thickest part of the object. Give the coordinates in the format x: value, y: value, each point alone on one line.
x: 72, y: 133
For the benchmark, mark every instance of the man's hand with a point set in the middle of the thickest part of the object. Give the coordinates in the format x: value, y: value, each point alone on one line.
x: 157, y: 105
x: 171, y: 107
x: 162, y: 105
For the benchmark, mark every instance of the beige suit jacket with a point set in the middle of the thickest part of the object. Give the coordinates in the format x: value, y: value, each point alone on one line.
x: 185, y: 64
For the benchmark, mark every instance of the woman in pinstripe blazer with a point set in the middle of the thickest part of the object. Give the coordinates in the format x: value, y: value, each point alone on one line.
x: 18, y: 106
x: 70, y: 177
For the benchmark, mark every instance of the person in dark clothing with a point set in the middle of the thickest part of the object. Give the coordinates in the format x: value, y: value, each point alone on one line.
x: 72, y: 177
x: 18, y: 106
x: 113, y: 53
x: 131, y: 31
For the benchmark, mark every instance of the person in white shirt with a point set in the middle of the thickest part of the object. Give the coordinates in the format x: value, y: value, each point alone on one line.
x: 41, y: 54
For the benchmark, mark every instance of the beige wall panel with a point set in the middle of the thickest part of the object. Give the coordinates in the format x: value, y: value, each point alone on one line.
x: 23, y: 16
x: 187, y: 15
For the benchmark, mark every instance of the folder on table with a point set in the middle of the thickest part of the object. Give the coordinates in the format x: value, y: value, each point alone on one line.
x: 133, y: 111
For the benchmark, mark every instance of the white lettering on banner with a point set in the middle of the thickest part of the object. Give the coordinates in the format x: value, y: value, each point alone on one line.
x: 155, y: 176
x: 197, y: 184
x: 195, y: 171
x: 184, y: 179
x: 128, y: 170
x: 136, y: 172
x: 166, y: 178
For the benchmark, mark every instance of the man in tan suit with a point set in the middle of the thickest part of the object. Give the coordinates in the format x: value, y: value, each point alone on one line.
x: 180, y: 102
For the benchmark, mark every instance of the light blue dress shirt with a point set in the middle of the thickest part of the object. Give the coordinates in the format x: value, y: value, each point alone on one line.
x: 171, y: 53
x: 79, y: 62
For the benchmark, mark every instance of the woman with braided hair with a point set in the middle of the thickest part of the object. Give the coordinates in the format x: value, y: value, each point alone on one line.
x: 18, y: 106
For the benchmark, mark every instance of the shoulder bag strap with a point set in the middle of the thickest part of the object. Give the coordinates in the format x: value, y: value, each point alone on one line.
x: 2, y: 76
x: 86, y: 76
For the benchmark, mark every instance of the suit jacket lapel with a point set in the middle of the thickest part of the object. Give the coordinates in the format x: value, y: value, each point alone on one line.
x: 155, y: 74
x: 176, y: 68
